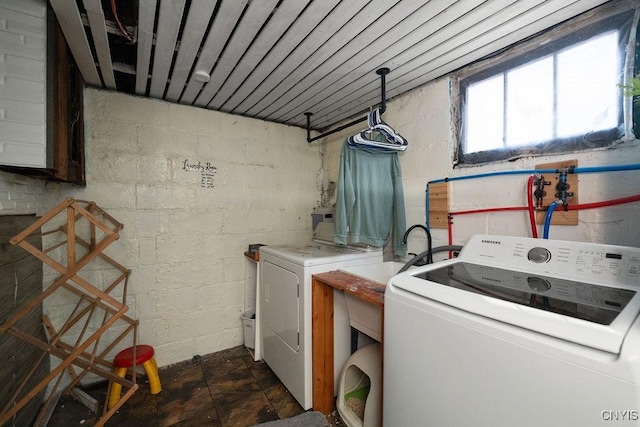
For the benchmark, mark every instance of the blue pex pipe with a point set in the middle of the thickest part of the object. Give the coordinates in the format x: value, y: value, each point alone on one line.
x: 614, y: 168
x: 497, y: 173
x: 592, y: 169
x: 547, y: 218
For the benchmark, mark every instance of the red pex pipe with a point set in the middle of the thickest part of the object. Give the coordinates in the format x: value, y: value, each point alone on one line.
x: 604, y: 204
x: 475, y: 211
x: 530, y: 208
x: 594, y: 205
x: 450, y: 229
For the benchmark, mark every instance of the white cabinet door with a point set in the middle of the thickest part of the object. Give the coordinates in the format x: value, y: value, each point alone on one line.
x: 23, y: 136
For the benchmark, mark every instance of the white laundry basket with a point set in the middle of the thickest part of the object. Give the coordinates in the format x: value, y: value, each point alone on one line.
x: 361, y: 372
x: 249, y: 326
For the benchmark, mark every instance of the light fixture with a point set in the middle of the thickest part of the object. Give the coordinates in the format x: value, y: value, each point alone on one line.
x: 201, y: 76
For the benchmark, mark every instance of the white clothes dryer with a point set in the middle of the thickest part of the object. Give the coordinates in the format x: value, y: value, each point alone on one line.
x: 285, y: 308
x: 515, y: 332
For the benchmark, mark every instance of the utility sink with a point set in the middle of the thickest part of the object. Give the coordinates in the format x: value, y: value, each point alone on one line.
x: 364, y: 316
x: 380, y: 273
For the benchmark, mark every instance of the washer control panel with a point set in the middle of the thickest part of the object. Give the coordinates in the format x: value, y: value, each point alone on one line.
x: 604, y: 264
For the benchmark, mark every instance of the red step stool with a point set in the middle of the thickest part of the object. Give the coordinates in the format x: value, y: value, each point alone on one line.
x: 124, y: 360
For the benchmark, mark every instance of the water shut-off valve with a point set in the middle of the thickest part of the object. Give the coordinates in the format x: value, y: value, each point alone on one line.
x: 539, y: 193
x: 562, y: 187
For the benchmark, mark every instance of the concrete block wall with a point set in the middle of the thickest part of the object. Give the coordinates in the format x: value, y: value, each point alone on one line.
x: 20, y: 195
x: 423, y: 116
x: 193, y: 188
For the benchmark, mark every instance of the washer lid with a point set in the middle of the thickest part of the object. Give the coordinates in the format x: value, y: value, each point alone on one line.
x: 589, y: 314
x: 318, y: 253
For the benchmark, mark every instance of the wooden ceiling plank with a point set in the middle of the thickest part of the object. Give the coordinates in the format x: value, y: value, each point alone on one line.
x: 223, y: 24
x: 169, y: 19
x: 541, y: 17
x: 200, y: 14
x: 281, y: 20
x: 449, y: 23
x: 300, y: 29
x: 338, y: 17
x: 452, y: 36
x: 369, y: 24
x: 254, y: 18
x: 100, y: 41
x: 478, y: 49
x: 71, y: 23
x: 340, y: 43
x: 412, y: 23
x: 146, y: 17
x: 409, y: 32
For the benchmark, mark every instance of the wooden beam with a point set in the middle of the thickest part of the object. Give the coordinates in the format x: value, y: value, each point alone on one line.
x: 322, y: 346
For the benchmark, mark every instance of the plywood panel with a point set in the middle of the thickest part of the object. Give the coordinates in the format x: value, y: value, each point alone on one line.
x: 559, y: 217
x: 21, y: 280
x: 439, y: 205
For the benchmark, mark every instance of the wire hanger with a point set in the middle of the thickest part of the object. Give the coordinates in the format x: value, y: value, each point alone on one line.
x: 379, y: 136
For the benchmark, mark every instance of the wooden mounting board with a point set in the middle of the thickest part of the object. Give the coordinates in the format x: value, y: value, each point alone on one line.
x: 559, y: 217
x: 438, y: 205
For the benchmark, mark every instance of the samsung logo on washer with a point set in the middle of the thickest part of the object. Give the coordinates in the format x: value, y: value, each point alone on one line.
x: 492, y: 242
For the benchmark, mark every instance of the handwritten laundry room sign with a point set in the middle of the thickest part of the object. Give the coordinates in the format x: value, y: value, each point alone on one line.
x: 206, y: 169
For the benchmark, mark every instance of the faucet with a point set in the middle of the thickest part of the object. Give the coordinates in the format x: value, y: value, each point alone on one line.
x: 426, y: 230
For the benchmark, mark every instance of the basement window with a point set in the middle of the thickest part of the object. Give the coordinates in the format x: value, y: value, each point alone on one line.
x: 557, y: 92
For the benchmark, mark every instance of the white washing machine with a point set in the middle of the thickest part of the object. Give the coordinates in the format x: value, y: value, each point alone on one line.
x: 515, y: 332
x: 285, y: 306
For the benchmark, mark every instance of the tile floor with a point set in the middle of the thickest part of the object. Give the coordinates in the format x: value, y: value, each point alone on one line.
x: 226, y: 389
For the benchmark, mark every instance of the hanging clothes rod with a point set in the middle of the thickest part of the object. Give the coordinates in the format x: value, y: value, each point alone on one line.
x: 382, y: 72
